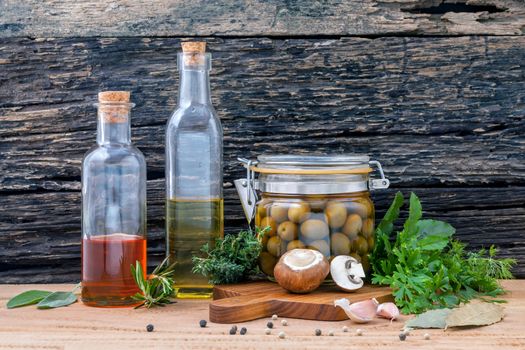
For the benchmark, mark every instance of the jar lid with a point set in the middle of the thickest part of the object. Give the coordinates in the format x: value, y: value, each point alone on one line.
x: 350, y: 160
x: 313, y: 164
x: 313, y: 174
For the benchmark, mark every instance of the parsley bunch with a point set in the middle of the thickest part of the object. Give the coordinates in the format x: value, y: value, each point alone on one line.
x: 428, y: 269
x: 233, y: 258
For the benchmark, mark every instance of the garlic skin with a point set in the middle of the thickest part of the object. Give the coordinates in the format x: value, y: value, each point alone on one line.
x: 388, y: 310
x: 360, y: 312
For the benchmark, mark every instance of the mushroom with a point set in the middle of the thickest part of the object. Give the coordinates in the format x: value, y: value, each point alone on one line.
x: 347, y: 273
x: 301, y: 270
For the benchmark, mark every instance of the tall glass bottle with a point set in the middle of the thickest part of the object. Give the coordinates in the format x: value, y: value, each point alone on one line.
x: 113, y: 207
x: 194, y: 208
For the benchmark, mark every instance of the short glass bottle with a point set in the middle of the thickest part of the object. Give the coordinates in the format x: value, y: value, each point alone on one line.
x: 194, y: 207
x: 113, y: 208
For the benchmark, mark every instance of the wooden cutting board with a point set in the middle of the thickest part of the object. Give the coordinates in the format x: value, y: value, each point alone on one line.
x: 249, y: 301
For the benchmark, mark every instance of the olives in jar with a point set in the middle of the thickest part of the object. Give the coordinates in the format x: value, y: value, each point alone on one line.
x: 333, y: 224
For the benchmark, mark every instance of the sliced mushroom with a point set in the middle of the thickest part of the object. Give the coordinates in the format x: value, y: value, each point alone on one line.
x: 347, y: 273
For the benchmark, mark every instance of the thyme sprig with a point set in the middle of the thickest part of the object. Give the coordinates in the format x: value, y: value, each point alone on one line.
x: 157, y: 288
x: 231, y: 259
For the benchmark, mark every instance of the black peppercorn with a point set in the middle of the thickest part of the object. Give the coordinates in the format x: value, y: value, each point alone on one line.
x: 269, y: 324
x: 243, y: 330
x: 149, y: 328
x: 233, y: 330
x: 317, y: 332
x: 202, y: 323
x: 402, y: 336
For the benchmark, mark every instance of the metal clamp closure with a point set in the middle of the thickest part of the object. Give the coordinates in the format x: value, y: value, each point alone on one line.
x: 376, y: 184
x: 246, y: 189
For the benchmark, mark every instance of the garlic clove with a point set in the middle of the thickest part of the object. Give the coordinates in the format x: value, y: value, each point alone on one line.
x: 388, y: 310
x: 360, y: 312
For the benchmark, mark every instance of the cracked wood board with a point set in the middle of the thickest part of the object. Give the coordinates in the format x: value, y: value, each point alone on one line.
x: 250, y: 301
x: 70, y: 18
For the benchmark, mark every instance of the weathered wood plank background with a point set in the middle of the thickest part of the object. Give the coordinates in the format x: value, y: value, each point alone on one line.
x: 435, y: 90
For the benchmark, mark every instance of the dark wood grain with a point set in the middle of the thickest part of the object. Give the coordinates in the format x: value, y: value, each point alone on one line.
x: 66, y: 18
x: 250, y: 301
x: 445, y: 116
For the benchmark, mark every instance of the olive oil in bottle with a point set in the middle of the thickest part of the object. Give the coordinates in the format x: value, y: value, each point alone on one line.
x: 194, y: 207
x: 191, y: 224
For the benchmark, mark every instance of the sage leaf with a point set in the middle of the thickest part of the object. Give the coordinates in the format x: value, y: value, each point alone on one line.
x: 386, y: 225
x: 57, y: 299
x: 433, y: 242
x: 430, y: 227
x: 476, y: 313
x: 430, y: 319
x: 29, y: 297
x: 415, y: 211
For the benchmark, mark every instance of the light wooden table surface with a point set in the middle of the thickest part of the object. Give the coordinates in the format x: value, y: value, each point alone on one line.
x: 177, y: 327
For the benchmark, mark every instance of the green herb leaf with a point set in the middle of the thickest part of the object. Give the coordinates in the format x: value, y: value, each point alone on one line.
x: 157, y: 289
x: 57, y: 299
x: 434, y: 228
x: 429, y: 319
x: 433, y: 242
x: 426, y: 268
x: 414, y: 214
x: 27, y: 298
x: 233, y: 258
x: 475, y: 314
x: 387, y: 224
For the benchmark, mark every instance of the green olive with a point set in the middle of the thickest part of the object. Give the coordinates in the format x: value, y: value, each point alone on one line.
x: 340, y: 244
x: 371, y: 242
x: 321, y: 246
x: 336, y: 214
x: 352, y: 226
x: 360, y: 245
x: 317, y: 203
x: 269, y: 222
x: 367, y: 202
x: 358, y: 208
x: 356, y: 256
x: 264, y: 241
x: 299, y: 212
x: 368, y: 228
x: 287, y: 230
x: 365, y: 261
x: 276, y: 246
x: 294, y: 245
x: 314, y: 229
x: 279, y: 212
x: 262, y: 208
x: 267, y: 262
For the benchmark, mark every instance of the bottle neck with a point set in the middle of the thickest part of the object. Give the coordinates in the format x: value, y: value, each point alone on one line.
x: 194, y: 87
x: 113, y: 125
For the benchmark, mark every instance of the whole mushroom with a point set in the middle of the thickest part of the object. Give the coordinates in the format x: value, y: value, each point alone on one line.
x: 301, y: 270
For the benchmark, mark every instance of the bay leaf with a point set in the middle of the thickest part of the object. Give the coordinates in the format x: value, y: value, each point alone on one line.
x: 475, y: 313
x: 29, y: 297
x: 429, y: 319
x: 57, y: 299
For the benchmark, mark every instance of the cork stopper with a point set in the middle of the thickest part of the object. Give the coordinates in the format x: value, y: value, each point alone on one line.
x: 193, y: 47
x: 193, y: 52
x: 113, y: 96
x: 112, y: 112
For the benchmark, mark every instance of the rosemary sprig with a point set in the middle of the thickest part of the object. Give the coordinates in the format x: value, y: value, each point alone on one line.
x: 157, y: 289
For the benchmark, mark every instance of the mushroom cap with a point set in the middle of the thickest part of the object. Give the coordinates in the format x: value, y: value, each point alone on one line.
x: 301, y: 270
x: 347, y: 273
